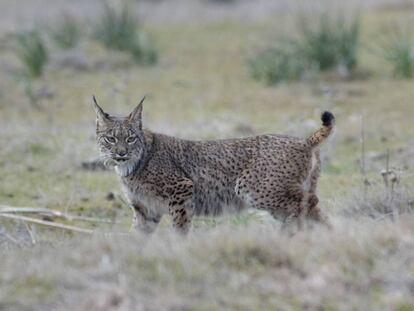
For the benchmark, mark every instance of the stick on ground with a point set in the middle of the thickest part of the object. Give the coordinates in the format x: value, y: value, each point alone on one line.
x: 47, y: 223
x: 52, y: 213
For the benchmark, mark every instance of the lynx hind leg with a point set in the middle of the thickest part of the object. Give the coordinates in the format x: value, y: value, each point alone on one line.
x: 314, y: 212
x: 181, y: 205
x: 303, y: 207
x: 291, y: 203
x: 315, y: 172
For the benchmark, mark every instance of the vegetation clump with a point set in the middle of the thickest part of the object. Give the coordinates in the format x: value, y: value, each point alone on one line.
x: 119, y: 29
x: 32, y: 52
x: 67, y: 33
x: 324, y: 44
x: 330, y: 42
x: 397, y: 49
x: 277, y: 64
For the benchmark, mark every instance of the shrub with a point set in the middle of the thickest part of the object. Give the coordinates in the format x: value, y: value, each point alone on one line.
x: 348, y: 44
x: 397, y: 48
x: 120, y: 30
x: 322, y: 45
x: 274, y: 65
x: 67, y: 33
x: 329, y: 42
x: 32, y: 52
x: 144, y: 54
x: 378, y: 203
x: 401, y: 56
x: 142, y: 51
x: 117, y: 29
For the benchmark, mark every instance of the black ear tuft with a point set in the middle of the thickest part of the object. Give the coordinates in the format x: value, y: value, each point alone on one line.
x: 327, y: 118
x: 100, y: 114
x: 136, y: 114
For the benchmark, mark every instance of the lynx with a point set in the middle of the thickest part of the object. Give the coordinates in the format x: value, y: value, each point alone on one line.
x: 161, y: 174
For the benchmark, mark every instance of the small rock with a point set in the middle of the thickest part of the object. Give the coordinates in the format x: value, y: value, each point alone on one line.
x: 110, y: 196
x: 47, y: 218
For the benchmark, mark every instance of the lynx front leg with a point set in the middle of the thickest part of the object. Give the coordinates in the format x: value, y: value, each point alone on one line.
x: 181, y: 205
x: 142, y: 222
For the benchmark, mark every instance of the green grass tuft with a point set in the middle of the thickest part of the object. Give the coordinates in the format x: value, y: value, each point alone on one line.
x: 32, y: 52
x: 67, y: 33
x: 120, y: 30
x: 274, y: 65
x: 143, y: 52
x: 397, y: 48
x: 117, y: 29
x: 324, y: 44
x: 330, y: 41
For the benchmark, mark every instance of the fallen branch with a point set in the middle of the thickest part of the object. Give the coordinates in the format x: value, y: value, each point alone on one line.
x: 46, y: 223
x: 4, y: 209
x: 40, y: 210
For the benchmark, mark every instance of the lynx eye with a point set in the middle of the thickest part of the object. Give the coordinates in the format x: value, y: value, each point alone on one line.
x: 131, y: 139
x: 110, y: 140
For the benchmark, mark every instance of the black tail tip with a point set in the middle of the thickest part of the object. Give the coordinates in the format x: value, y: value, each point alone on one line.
x: 327, y: 118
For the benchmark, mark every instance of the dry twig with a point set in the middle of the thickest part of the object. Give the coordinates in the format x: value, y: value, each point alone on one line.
x: 5, y: 209
x: 365, y: 180
x: 46, y: 223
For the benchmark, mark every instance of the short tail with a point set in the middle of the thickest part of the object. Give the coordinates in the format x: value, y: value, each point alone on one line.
x: 328, y: 122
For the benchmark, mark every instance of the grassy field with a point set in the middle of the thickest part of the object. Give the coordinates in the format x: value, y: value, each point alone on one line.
x: 201, y: 89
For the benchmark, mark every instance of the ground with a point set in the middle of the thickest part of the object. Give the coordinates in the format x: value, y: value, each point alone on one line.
x: 201, y: 89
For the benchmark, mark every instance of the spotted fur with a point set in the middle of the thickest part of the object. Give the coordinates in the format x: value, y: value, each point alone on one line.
x: 162, y: 174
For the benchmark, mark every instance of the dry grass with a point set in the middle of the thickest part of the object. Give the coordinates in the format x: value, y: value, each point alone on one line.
x: 201, y: 89
x: 244, y: 268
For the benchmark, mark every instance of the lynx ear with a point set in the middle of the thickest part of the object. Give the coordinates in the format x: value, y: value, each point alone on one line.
x: 101, y: 116
x: 136, y: 115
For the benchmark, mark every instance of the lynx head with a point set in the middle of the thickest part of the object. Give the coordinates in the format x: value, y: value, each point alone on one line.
x: 120, y: 139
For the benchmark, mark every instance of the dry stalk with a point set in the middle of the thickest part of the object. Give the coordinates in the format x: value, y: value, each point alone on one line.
x: 365, y: 180
x: 32, y: 233
x: 46, y: 223
x: 391, y: 179
x: 5, y: 209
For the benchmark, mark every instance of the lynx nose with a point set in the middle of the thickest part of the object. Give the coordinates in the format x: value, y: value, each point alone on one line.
x: 121, y: 154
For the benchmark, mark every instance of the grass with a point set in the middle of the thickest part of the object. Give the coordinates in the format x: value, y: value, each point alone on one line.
x: 200, y: 89
x: 329, y: 41
x: 67, y: 33
x: 325, y: 42
x: 275, y: 65
x: 379, y: 203
x: 32, y: 53
x: 119, y: 29
x: 397, y: 48
x: 262, y: 266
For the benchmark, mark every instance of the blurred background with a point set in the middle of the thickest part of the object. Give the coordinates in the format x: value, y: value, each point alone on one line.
x: 210, y: 69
